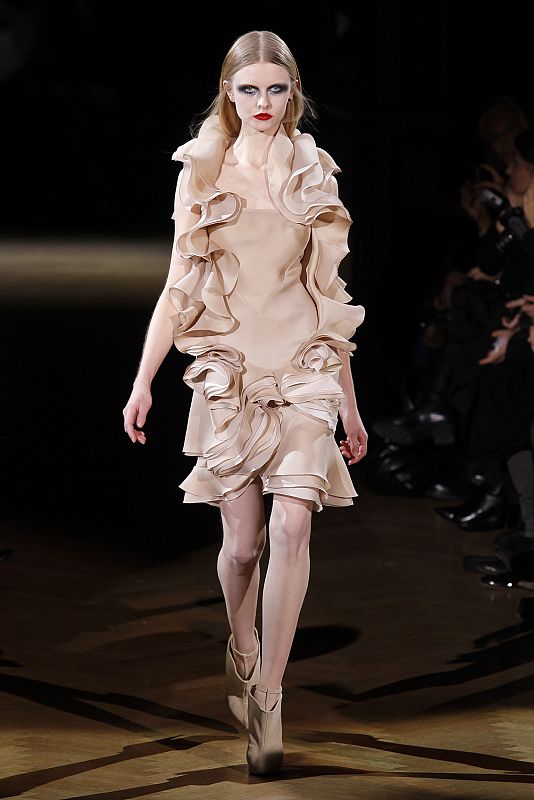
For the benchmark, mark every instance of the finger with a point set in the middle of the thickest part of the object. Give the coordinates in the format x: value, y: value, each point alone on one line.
x: 129, y: 427
x: 130, y: 424
x: 493, y: 171
x: 518, y: 302
x: 487, y: 185
x: 487, y: 359
x: 141, y: 415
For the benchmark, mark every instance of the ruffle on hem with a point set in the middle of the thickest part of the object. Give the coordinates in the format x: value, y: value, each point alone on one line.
x: 304, y: 189
x: 314, y: 470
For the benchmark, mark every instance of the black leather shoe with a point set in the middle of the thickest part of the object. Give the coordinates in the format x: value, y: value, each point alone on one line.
x: 488, y: 565
x: 483, y: 519
x: 447, y: 512
x: 506, y: 580
x: 426, y: 423
x: 484, y: 510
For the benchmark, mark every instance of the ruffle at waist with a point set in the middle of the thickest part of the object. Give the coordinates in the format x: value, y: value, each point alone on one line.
x: 243, y: 403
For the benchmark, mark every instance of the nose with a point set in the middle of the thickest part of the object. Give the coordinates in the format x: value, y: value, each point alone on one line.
x: 263, y: 101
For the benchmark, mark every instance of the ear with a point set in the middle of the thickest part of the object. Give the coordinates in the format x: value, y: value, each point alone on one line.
x: 227, y: 86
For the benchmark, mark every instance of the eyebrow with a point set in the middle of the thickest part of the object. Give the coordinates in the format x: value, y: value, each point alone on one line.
x: 246, y: 85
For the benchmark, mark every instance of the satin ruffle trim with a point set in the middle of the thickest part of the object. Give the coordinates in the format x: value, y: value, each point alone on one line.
x: 239, y: 428
x: 304, y: 189
x: 244, y: 409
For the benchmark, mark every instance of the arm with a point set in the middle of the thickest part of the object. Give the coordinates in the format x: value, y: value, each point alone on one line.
x: 159, y: 336
x: 354, y: 447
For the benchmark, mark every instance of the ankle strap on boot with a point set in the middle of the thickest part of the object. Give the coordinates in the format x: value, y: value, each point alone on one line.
x: 267, y: 691
x: 244, y: 655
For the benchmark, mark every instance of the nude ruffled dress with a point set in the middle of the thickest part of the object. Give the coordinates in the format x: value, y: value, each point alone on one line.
x: 263, y: 312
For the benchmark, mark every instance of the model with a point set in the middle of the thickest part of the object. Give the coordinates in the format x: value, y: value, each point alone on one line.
x: 254, y: 295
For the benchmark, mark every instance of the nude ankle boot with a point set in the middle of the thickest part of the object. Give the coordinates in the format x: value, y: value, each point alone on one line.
x: 237, y: 687
x: 265, y: 749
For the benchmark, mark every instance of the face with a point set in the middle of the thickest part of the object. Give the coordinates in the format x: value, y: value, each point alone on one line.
x: 520, y: 173
x: 260, y: 89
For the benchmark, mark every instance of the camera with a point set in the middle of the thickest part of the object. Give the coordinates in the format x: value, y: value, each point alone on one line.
x: 512, y: 219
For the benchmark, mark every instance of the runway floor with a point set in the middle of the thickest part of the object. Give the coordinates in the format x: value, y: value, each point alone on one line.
x: 408, y: 679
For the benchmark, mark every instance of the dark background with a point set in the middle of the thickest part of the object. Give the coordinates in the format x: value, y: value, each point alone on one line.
x: 96, y: 100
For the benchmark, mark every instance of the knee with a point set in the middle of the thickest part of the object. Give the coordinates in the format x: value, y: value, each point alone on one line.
x: 243, y: 555
x: 289, y: 529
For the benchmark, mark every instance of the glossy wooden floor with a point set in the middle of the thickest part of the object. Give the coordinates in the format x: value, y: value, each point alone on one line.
x: 408, y: 679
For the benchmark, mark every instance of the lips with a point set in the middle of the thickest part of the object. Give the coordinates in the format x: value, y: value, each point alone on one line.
x: 262, y: 116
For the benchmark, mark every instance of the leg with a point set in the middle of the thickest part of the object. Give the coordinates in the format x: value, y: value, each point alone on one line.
x: 244, y: 534
x: 285, y: 586
x: 522, y: 472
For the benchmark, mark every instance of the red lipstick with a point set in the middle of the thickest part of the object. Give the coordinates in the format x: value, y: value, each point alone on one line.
x: 262, y: 116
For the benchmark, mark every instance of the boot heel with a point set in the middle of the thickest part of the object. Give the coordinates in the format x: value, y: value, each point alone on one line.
x: 237, y: 688
x: 265, y: 751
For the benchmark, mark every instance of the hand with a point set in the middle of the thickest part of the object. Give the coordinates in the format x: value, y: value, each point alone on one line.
x: 354, y: 447
x: 524, y: 303
x: 498, y: 179
x: 528, y: 306
x: 135, y: 413
x: 470, y: 202
x: 476, y: 274
x: 517, y: 302
x: 511, y: 324
x: 470, y: 196
x: 528, y: 204
x: 498, y: 352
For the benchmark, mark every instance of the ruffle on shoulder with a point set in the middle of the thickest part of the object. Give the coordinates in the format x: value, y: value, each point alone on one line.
x: 199, y: 297
x: 303, y: 188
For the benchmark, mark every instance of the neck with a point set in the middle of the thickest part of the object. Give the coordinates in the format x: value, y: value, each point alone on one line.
x: 251, y: 148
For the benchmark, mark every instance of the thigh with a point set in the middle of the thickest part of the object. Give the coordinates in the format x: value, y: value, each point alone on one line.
x: 291, y: 516
x: 244, y: 516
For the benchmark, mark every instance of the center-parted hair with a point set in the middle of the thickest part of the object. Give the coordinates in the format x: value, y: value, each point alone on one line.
x: 252, y: 48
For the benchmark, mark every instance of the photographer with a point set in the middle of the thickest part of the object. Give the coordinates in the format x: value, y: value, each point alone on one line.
x: 498, y: 126
x: 506, y: 252
x: 477, y: 305
x: 498, y: 420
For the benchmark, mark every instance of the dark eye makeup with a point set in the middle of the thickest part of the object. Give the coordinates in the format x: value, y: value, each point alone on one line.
x: 278, y: 88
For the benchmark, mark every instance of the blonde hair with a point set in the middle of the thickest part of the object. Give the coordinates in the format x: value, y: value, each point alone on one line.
x: 252, y: 48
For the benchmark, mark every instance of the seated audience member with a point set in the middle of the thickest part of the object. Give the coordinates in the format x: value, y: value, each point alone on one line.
x: 481, y: 315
